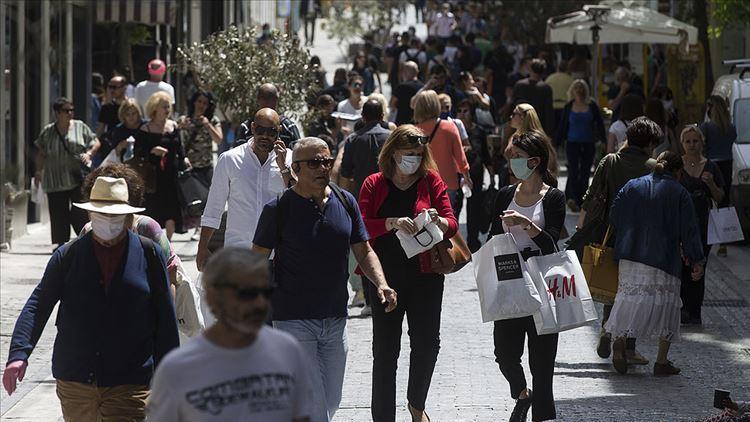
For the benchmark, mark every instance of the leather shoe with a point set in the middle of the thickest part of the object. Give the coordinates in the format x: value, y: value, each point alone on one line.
x: 604, y: 349
x: 521, y: 410
x: 418, y: 415
x: 618, y: 356
x: 664, y: 369
x: 635, y: 358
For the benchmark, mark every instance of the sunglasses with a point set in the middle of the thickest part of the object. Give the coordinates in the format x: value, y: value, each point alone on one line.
x: 356, y: 85
x: 317, y: 162
x: 263, y: 131
x: 418, y: 139
x: 246, y: 293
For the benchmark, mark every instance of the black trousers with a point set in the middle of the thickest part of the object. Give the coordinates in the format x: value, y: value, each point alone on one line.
x: 420, y: 298
x: 691, y: 291
x: 509, y: 335
x: 62, y: 214
x: 309, y: 23
x: 474, y: 207
x: 580, y: 158
x: 725, y: 166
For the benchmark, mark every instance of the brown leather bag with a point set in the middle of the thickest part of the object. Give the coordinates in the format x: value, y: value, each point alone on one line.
x: 449, y: 255
x: 146, y: 170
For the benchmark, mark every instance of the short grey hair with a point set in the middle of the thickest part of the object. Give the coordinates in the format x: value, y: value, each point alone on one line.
x: 308, y: 142
x: 233, y: 260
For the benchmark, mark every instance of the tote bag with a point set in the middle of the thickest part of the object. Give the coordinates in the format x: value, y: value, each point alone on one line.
x: 187, y: 300
x: 566, y: 300
x: 601, y: 270
x: 724, y: 226
x: 427, y: 236
x: 505, y: 287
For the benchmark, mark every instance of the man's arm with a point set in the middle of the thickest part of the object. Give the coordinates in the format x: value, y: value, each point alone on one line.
x: 261, y: 250
x: 218, y: 195
x: 370, y: 264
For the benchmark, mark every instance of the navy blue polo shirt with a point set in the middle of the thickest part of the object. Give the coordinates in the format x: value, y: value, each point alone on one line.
x: 311, y: 267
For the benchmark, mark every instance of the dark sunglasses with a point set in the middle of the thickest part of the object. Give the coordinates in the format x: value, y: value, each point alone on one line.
x: 356, y: 85
x: 262, y: 130
x: 317, y: 162
x: 418, y: 139
x: 246, y: 293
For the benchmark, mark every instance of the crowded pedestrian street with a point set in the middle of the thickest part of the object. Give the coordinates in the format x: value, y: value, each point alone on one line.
x: 404, y: 210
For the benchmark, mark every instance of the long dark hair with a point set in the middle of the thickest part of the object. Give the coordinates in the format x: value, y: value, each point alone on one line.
x: 536, y: 144
x: 209, y: 113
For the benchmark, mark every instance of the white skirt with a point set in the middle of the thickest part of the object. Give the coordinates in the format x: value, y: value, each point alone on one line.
x: 647, y: 303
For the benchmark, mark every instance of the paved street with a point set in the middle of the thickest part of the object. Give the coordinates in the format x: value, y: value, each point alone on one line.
x: 467, y: 384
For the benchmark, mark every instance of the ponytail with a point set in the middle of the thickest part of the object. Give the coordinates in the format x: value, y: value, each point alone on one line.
x: 668, y: 162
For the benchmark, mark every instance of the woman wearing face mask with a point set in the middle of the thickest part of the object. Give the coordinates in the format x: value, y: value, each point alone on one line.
x: 407, y: 184
x: 534, y: 212
x: 703, y: 180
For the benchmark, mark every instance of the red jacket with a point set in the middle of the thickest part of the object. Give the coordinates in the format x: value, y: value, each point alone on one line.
x: 431, y: 193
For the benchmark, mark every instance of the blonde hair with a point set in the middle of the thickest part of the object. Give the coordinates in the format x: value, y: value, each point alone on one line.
x: 426, y: 106
x: 692, y: 128
x: 529, y: 119
x: 155, y: 100
x: 381, y: 99
x: 444, y: 98
x: 126, y: 106
x: 580, y: 87
x: 398, y: 139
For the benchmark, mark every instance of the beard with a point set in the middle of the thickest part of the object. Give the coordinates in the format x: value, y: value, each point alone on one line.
x: 247, y: 323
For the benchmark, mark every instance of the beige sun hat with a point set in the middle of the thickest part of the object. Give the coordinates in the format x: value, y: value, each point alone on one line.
x: 109, y: 196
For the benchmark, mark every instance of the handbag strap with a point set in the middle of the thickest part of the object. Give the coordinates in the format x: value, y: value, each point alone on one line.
x: 432, y: 135
x: 606, y: 235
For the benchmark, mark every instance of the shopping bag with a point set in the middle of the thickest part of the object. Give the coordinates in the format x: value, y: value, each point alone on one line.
x: 428, y: 235
x: 111, y: 158
x: 193, y: 193
x: 37, y: 192
x: 505, y: 287
x: 562, y: 287
x: 187, y: 301
x: 724, y: 226
x: 601, y: 271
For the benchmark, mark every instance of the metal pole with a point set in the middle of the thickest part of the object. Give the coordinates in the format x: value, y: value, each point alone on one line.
x: 44, y: 100
x: 69, y: 49
x: 20, y: 80
x: 3, y: 110
x: 168, y: 50
x: 158, y: 41
x: 595, y: 62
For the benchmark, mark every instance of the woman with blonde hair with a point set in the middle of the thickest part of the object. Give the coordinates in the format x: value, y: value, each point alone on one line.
x: 131, y: 120
x: 406, y: 185
x: 703, y: 180
x: 158, y: 141
x: 444, y: 144
x: 524, y: 119
x: 720, y: 135
x: 580, y: 127
x: 386, y: 112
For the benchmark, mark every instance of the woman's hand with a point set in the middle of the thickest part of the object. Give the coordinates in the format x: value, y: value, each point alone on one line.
x: 441, y: 222
x: 708, y: 178
x: 184, y: 122
x: 203, y: 120
x: 698, y: 271
x: 514, y: 218
x: 405, y: 224
x: 121, y: 146
x: 159, y: 151
x: 86, y: 157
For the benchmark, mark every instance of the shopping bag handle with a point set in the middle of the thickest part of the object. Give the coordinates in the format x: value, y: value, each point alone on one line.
x: 606, y: 236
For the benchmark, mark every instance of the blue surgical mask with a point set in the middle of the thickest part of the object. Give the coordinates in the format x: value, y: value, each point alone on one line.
x: 520, y: 168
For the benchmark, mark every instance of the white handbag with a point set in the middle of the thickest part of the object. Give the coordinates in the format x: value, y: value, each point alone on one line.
x: 428, y: 235
x: 505, y: 287
x: 724, y: 226
x: 188, y: 305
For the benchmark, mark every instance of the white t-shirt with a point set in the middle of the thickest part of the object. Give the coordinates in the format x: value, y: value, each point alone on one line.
x: 535, y: 213
x: 462, y: 133
x: 146, y: 89
x: 345, y: 106
x: 419, y: 57
x: 268, y: 381
x: 619, y: 129
x: 443, y: 23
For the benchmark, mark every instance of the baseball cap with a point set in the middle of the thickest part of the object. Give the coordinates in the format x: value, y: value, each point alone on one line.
x: 156, y: 67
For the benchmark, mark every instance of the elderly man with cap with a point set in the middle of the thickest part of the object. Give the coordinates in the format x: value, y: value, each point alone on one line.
x: 145, y: 89
x: 268, y: 97
x: 239, y: 369
x: 246, y: 178
x: 115, y: 321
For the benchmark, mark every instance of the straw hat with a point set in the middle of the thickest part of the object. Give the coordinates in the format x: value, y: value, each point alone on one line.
x: 109, y: 196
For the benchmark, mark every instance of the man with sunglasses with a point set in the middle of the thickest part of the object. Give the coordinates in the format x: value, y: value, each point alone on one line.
x: 108, y: 115
x: 245, y: 178
x: 239, y: 369
x: 311, y: 229
x: 268, y: 97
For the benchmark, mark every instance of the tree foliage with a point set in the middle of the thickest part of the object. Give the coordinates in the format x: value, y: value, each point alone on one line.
x: 726, y: 13
x: 233, y: 64
x: 357, y: 18
x: 527, y: 20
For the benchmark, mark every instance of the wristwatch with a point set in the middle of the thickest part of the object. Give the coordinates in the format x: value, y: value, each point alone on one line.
x: 285, y: 171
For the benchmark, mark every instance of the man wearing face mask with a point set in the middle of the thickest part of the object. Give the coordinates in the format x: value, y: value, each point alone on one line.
x: 267, y: 368
x: 245, y: 178
x: 115, y: 322
x: 311, y: 247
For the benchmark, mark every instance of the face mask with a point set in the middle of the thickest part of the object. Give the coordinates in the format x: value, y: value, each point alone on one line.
x: 107, y: 227
x: 520, y: 168
x: 409, y: 164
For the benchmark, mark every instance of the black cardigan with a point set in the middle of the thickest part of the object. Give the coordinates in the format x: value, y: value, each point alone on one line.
x: 554, y: 217
x: 597, y: 124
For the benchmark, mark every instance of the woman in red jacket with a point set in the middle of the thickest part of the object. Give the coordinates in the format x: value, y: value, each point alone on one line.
x: 407, y: 184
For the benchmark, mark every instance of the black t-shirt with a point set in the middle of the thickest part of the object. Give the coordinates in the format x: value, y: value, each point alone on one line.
x: 108, y: 115
x: 701, y: 194
x: 398, y: 203
x: 338, y: 92
x: 404, y: 93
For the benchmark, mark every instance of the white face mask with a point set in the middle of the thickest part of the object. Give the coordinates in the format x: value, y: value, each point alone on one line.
x: 107, y: 227
x: 409, y: 164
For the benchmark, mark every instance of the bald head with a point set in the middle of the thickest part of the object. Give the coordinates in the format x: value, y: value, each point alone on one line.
x: 410, y: 70
x: 267, y: 117
x: 268, y: 96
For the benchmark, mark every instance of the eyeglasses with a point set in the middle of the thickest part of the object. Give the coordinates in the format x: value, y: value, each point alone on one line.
x: 317, y: 162
x: 418, y: 139
x: 263, y: 131
x: 246, y: 293
x: 356, y: 85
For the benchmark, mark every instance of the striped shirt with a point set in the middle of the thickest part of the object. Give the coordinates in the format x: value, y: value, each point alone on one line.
x: 60, y: 167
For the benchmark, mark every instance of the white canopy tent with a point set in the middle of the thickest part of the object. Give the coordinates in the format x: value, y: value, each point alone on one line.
x: 615, y: 22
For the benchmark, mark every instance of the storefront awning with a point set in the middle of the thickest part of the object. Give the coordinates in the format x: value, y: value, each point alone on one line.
x: 149, y: 12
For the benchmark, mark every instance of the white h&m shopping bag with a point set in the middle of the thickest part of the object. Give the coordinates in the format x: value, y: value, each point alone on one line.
x: 505, y: 287
x: 428, y: 235
x: 724, y: 226
x: 566, y: 300
x: 190, y: 320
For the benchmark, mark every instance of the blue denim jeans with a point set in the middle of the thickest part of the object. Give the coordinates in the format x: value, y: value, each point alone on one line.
x: 324, y: 341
